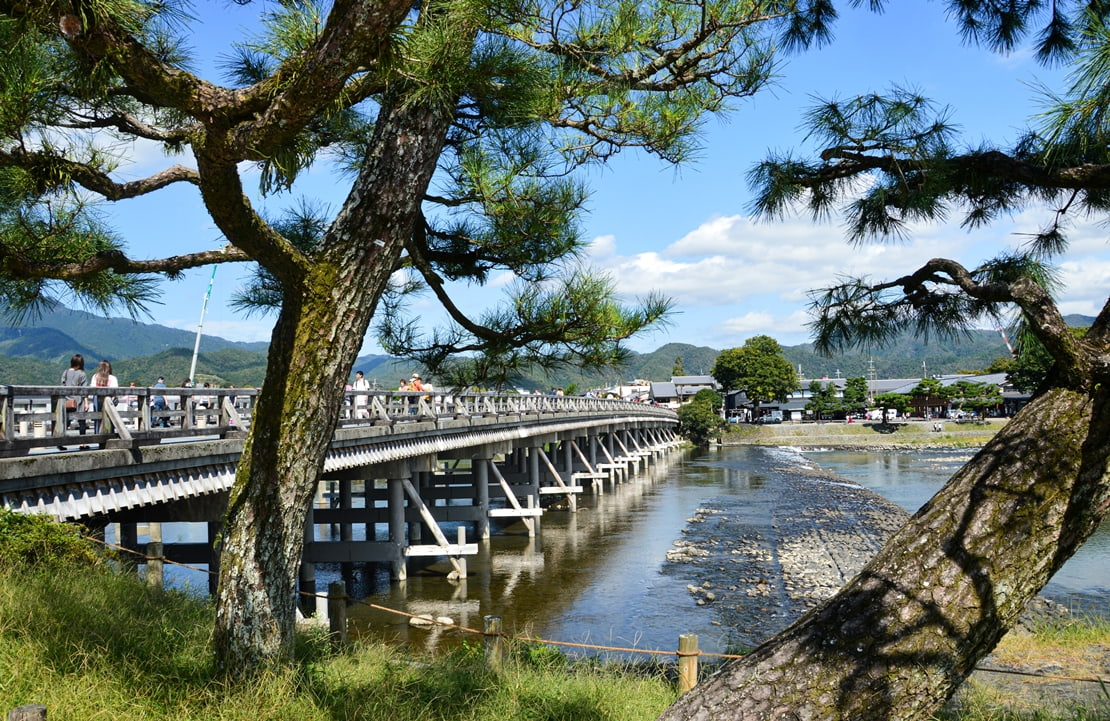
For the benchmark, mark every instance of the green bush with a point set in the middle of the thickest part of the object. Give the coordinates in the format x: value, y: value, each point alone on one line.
x: 31, y: 541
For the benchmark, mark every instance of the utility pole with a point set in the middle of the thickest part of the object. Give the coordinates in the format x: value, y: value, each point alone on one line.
x: 200, y: 326
x: 870, y: 379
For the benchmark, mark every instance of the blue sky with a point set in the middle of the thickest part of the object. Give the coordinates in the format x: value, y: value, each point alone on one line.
x: 686, y: 231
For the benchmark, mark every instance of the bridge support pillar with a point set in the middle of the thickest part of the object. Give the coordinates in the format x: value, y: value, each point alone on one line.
x: 396, y: 502
x: 129, y: 538
x: 481, y: 497
x: 534, y: 471
x: 416, y: 528
x: 346, y: 531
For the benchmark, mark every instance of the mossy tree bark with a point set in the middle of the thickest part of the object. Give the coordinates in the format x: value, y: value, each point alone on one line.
x: 321, y: 326
x: 898, y: 640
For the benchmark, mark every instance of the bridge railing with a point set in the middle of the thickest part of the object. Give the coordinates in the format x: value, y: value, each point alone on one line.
x: 62, y: 416
x: 37, y: 417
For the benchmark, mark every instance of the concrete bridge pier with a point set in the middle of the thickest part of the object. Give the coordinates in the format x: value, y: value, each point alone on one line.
x: 480, y: 468
x: 127, y: 535
x: 396, y: 504
x: 545, y: 469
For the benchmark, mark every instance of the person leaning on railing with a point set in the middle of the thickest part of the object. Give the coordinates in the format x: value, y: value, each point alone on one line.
x: 75, y: 377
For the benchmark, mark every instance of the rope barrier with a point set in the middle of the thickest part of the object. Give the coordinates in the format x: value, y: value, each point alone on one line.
x: 569, y: 644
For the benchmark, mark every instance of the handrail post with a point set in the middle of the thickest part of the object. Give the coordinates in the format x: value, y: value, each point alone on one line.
x: 687, y: 662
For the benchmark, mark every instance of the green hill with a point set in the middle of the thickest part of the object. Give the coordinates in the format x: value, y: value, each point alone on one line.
x: 48, y: 344
x: 99, y: 337
x: 228, y: 366
x: 907, y: 357
x: 30, y: 371
x: 142, y: 352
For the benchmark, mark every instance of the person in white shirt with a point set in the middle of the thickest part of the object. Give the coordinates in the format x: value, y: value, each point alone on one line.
x: 361, y: 399
x: 102, y: 378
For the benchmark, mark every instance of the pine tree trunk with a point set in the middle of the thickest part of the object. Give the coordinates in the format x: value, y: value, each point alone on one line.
x: 898, y: 640
x: 319, y: 331
x: 311, y: 353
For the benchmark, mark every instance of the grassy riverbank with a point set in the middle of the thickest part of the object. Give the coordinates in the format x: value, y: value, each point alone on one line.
x: 90, y: 644
x: 865, y: 434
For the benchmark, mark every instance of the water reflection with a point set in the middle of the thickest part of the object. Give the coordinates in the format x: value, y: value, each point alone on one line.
x: 589, y: 577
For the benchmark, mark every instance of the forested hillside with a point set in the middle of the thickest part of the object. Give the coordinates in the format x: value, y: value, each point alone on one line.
x: 142, y: 352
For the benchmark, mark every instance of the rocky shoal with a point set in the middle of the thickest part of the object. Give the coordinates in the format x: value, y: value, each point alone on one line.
x: 760, y: 564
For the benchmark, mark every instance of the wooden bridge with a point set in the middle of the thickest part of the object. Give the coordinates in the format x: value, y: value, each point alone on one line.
x: 401, y: 464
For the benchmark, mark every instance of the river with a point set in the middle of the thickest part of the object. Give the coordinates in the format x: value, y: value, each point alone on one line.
x: 909, y: 478
x: 600, y: 576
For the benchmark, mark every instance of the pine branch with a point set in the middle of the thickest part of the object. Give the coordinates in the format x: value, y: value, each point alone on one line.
x: 16, y: 265
x: 52, y: 170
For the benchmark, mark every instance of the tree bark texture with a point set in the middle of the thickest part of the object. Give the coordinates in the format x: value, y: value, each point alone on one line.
x: 898, y: 640
x: 318, y: 334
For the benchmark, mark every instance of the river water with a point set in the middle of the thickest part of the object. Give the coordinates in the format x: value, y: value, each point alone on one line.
x: 600, y: 576
x: 909, y: 478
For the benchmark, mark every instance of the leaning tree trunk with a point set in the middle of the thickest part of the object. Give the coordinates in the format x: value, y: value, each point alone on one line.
x: 320, y: 329
x: 898, y: 640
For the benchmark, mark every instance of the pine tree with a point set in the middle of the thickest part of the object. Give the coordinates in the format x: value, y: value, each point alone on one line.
x: 499, y: 105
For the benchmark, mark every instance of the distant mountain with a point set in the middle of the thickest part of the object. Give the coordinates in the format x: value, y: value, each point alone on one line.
x: 227, y: 366
x: 109, y: 338
x: 142, y: 352
x: 30, y: 371
x: 48, y: 344
x: 907, y: 357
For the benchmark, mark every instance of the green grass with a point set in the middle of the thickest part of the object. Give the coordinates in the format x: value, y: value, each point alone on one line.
x: 863, y: 434
x: 92, y: 644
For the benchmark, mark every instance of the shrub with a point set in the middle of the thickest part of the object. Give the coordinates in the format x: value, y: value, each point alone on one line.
x: 32, y: 541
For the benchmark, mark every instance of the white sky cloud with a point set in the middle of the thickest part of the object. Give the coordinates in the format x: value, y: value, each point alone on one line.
x: 729, y: 259
x: 247, y: 331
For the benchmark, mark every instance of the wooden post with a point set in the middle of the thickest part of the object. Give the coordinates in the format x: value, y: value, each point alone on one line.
x: 396, y: 502
x: 337, y: 612
x: 687, y: 662
x: 480, y: 470
x: 31, y: 712
x: 154, y: 575
x: 460, y: 562
x: 495, y: 650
